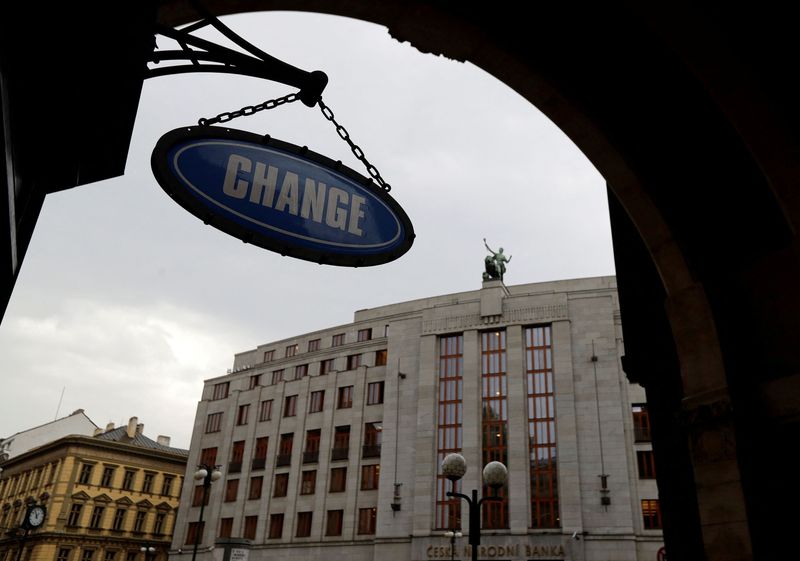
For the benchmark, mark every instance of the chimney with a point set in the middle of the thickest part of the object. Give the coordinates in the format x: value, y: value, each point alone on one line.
x: 140, y: 428
x: 109, y: 426
x: 98, y: 431
x: 132, y: 427
x: 163, y: 440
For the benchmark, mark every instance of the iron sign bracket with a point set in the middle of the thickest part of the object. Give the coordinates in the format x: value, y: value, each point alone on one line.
x: 202, y: 55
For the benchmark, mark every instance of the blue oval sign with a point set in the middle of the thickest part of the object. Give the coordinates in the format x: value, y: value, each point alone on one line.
x: 281, y: 197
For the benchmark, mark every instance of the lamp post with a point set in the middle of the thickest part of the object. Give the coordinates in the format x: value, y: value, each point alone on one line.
x: 453, y: 534
x: 495, y: 474
x: 149, y: 553
x: 207, y: 474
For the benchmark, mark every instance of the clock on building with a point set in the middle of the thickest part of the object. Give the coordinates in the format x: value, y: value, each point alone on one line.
x: 35, y: 516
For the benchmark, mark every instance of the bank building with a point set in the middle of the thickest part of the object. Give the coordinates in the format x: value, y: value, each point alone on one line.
x: 328, y: 445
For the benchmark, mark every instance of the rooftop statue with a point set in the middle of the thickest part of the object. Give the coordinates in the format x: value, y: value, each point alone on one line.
x: 495, y: 263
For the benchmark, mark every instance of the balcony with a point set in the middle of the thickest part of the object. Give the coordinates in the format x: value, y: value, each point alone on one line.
x: 235, y: 467
x: 340, y: 453
x: 259, y: 463
x: 371, y: 451
x: 311, y: 457
x: 284, y: 460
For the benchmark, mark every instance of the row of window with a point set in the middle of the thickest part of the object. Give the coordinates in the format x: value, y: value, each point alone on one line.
x: 222, y: 389
x: 333, y: 525
x: 109, y: 479
x: 98, y: 516
x: 66, y: 554
x: 316, y: 402
x: 27, y: 482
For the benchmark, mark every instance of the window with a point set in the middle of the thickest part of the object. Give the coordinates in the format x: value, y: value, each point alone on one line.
x: 226, y: 527
x: 380, y: 357
x: 199, y: 494
x: 374, y: 393
x: 316, y: 401
x: 255, y: 380
x: 385, y: 330
x: 265, y: 412
x: 290, y: 406
x: 194, y: 534
x: 366, y: 520
x: 285, y: 449
x: 281, y: 485
x: 494, y: 423
x: 166, y: 485
x: 214, y: 422
x: 127, y: 479
x: 147, y: 482
x: 86, y: 474
x: 541, y: 428
x: 75, y: 515
x: 337, y: 340
x: 338, y: 480
x: 260, y: 454
x: 345, y: 397
x: 63, y: 554
x: 364, y: 334
x: 237, y: 457
x: 303, y: 524
x: 208, y: 457
x: 277, y: 376
x: 138, y: 523
x: 311, y: 453
x: 326, y: 367
x: 353, y: 362
x: 250, y: 526
x: 256, y: 484
x: 372, y: 440
x: 110, y: 555
x: 651, y: 512
x: 97, y: 517
x: 341, y: 443
x: 641, y: 423
x: 291, y: 350
x: 231, y: 490
x: 333, y: 527
x: 647, y: 464
x: 269, y: 356
x: 313, y: 345
x: 308, y: 482
x: 242, y: 414
x: 108, y: 476
x: 132, y: 555
x: 158, y: 526
x: 300, y: 371
x: 275, y: 526
x: 119, y: 519
x: 87, y: 555
x: 370, y: 476
x: 221, y: 390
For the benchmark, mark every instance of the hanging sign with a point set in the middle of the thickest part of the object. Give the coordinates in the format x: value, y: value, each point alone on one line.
x: 281, y: 197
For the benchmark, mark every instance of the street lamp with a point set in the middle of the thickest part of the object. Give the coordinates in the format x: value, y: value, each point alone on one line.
x: 149, y: 552
x: 495, y: 474
x: 207, y: 474
x: 453, y: 534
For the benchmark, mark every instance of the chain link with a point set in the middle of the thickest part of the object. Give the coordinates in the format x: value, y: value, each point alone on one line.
x: 248, y: 110
x: 355, y: 148
x: 326, y: 112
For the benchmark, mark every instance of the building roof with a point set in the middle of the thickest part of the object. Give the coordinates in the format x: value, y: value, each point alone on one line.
x: 120, y: 434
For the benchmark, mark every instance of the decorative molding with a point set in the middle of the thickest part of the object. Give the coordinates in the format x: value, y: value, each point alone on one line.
x: 530, y: 314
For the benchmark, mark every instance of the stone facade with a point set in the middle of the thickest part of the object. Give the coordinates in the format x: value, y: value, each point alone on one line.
x: 399, y: 346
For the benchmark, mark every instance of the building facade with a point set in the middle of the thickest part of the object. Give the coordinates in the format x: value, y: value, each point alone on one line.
x: 106, y: 496
x: 75, y: 423
x: 330, y: 443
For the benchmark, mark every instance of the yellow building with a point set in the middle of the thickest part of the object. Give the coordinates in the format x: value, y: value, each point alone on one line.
x: 106, y: 496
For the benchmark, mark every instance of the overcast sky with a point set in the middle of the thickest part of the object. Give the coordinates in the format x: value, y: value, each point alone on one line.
x: 127, y: 303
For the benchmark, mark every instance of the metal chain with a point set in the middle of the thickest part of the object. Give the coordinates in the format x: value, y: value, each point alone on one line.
x: 326, y: 112
x: 356, y: 149
x: 248, y: 110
